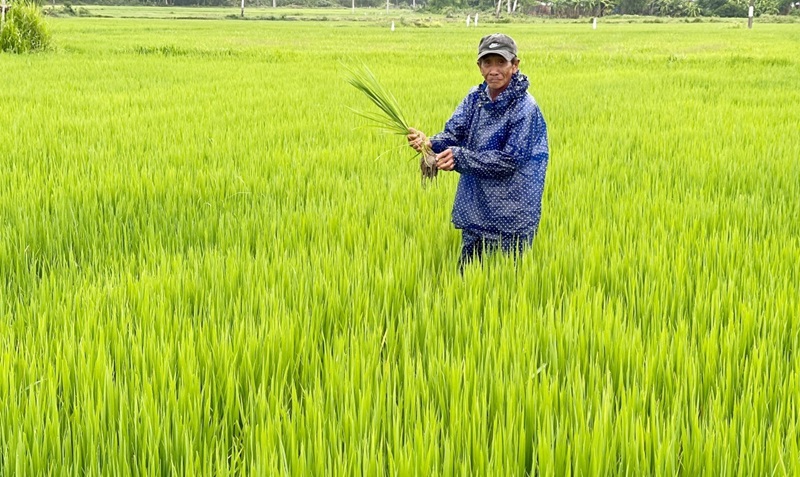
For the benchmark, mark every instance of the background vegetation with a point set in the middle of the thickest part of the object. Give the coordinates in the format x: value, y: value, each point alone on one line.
x: 23, y: 29
x: 207, y: 267
x: 509, y: 8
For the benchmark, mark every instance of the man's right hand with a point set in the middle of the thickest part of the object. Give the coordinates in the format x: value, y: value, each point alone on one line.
x: 417, y: 140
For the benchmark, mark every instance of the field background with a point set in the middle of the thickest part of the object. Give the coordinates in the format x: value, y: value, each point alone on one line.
x: 209, y: 266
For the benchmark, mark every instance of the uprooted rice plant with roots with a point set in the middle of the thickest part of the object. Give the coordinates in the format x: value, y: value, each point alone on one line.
x: 392, y: 120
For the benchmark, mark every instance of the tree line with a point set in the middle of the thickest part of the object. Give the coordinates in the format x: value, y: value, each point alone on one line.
x: 551, y: 8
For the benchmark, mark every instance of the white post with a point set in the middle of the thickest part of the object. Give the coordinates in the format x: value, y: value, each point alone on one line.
x: 242, y: 8
x: 387, y: 6
x: 354, y: 5
x: 476, y: 20
x: 750, y: 12
x: 594, y: 23
x: 392, y: 26
x: 468, y: 20
x: 3, y: 20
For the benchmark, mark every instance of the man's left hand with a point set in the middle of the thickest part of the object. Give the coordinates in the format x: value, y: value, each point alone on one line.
x: 418, y: 140
x: 445, y: 160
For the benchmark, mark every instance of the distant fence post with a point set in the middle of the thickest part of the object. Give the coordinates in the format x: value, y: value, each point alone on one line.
x: 3, y: 8
x: 750, y: 15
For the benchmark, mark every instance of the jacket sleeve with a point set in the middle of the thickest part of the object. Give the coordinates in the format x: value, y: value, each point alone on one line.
x: 527, y: 140
x: 456, y: 128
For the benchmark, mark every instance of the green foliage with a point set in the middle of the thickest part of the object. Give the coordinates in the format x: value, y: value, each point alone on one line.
x: 739, y: 8
x: 768, y: 7
x: 24, y: 30
x: 629, y: 7
x: 674, y: 8
x: 730, y: 9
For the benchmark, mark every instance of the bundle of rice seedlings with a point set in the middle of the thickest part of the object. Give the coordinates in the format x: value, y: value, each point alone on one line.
x: 392, y: 120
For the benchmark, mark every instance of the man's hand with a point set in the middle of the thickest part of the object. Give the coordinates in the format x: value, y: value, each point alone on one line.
x: 417, y: 139
x: 445, y: 160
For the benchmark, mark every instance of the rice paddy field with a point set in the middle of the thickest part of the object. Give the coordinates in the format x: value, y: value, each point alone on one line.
x: 209, y: 266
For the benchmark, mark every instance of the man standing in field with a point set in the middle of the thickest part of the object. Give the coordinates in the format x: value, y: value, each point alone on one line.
x: 497, y: 141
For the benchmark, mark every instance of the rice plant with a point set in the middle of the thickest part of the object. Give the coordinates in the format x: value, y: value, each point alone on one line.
x: 392, y: 120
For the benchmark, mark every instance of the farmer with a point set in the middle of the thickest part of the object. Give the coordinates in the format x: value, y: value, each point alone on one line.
x: 497, y: 141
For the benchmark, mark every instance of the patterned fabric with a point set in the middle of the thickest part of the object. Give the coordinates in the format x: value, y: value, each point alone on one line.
x: 501, y: 152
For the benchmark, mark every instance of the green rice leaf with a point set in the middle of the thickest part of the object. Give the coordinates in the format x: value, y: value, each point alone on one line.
x: 392, y: 119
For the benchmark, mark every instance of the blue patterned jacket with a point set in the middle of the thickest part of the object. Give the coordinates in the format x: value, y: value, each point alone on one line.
x: 501, y: 153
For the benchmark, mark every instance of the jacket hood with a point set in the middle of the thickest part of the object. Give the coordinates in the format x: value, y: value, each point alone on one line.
x: 517, y: 87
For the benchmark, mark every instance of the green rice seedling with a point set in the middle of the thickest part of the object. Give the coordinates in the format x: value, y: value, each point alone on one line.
x: 392, y: 120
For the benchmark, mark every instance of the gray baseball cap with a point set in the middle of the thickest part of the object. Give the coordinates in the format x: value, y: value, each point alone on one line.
x: 497, y: 44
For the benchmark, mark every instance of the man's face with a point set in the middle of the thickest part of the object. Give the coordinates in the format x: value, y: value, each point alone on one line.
x: 497, y: 71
